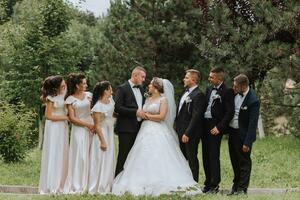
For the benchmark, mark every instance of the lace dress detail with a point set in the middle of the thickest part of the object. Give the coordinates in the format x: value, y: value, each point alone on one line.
x: 155, y: 164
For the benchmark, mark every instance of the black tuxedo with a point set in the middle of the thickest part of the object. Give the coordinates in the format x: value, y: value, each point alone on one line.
x: 244, y: 135
x: 127, y: 125
x: 222, y: 111
x: 189, y: 121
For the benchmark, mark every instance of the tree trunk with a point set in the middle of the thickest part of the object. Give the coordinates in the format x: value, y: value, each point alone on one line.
x: 261, y: 132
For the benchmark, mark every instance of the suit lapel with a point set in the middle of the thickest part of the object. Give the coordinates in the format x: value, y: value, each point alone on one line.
x: 182, y: 93
x: 208, y: 93
x: 191, y: 95
x: 246, y: 99
x: 131, y: 92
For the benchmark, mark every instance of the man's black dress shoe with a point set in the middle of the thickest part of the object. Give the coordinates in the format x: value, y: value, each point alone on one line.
x: 205, y: 189
x: 232, y: 192
x: 237, y: 192
x: 214, y: 190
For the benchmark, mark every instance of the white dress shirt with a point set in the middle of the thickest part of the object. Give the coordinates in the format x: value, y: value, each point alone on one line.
x: 184, y: 96
x: 238, y: 101
x: 138, y: 97
x: 207, y: 114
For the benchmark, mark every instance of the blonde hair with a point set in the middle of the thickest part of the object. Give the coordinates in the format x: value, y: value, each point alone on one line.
x: 138, y: 69
x: 195, y: 74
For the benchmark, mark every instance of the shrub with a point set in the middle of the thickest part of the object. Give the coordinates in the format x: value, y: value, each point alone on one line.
x: 16, y: 124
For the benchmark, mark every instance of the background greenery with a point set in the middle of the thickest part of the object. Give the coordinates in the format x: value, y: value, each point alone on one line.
x: 39, y: 38
x: 261, y: 38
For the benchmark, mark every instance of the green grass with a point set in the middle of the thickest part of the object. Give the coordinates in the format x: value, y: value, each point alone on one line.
x: 288, y: 196
x: 23, y: 173
x: 276, y: 164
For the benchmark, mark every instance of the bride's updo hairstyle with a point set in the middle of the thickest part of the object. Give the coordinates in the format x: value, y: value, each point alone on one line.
x: 158, y: 84
x: 99, y: 90
x: 73, y: 80
x: 51, y: 86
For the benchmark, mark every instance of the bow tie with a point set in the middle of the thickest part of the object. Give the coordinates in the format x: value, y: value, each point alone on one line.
x: 215, y: 88
x: 136, y: 86
x: 241, y: 94
x: 187, y: 90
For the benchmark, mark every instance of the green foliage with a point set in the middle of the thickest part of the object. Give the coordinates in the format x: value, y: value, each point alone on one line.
x: 42, y: 38
x: 55, y: 18
x: 15, y: 130
x: 152, y: 34
x: 6, y: 9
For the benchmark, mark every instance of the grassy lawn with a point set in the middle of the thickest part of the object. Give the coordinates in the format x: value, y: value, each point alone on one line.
x: 288, y: 196
x: 276, y: 164
x: 24, y: 173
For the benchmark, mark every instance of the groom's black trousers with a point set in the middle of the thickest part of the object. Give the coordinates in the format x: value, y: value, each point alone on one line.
x: 240, y: 161
x: 126, y: 141
x: 190, y: 152
x: 211, y: 156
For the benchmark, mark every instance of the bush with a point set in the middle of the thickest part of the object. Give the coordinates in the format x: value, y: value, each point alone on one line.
x: 15, y: 127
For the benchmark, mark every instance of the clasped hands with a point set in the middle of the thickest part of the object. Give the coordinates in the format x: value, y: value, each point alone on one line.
x: 142, y: 114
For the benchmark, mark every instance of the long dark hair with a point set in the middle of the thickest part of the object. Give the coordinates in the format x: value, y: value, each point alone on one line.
x: 98, y: 91
x: 73, y: 80
x: 51, y: 86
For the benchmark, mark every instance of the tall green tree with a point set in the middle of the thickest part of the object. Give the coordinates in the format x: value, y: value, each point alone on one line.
x: 153, y: 34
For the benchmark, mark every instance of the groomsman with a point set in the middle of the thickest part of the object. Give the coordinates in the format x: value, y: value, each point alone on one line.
x: 242, y: 133
x: 189, y: 121
x: 129, y: 100
x: 218, y: 114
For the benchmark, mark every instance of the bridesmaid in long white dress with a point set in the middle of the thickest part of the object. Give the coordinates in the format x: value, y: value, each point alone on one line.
x: 78, y: 104
x: 102, y: 165
x: 56, y: 142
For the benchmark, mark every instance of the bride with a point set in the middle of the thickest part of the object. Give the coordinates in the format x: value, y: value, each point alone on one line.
x: 155, y: 164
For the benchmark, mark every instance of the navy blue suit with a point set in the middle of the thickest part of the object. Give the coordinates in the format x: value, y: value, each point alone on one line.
x: 244, y: 135
x: 248, y: 118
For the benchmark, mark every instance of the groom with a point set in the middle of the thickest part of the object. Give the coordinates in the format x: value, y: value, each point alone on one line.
x: 129, y: 101
x: 189, y: 121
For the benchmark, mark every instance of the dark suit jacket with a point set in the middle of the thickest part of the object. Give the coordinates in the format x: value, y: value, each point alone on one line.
x: 126, y: 108
x: 190, y: 119
x: 248, y: 118
x: 222, y: 109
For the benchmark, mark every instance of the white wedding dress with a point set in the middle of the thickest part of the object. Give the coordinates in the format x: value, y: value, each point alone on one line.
x: 155, y: 164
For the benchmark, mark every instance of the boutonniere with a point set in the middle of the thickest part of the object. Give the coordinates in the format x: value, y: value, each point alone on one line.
x: 188, y: 99
x: 216, y: 96
x: 146, y: 95
x: 244, y: 108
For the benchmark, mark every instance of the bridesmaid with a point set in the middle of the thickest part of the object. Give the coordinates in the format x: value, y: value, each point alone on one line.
x: 78, y: 104
x: 56, y: 142
x: 102, y: 166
